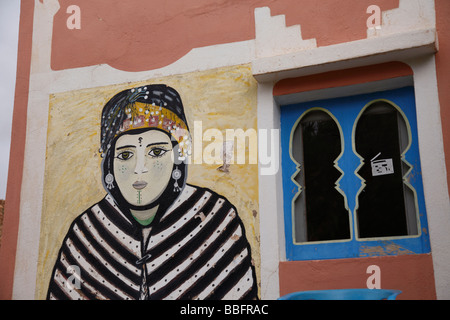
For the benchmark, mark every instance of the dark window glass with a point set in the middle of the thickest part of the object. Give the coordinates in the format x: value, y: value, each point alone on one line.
x: 386, y: 205
x: 320, y: 212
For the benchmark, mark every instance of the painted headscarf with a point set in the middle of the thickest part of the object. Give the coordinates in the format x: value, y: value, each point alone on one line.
x: 150, y: 107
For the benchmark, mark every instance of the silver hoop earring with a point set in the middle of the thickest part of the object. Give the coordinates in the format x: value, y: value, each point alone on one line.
x: 109, y: 179
x: 176, y: 174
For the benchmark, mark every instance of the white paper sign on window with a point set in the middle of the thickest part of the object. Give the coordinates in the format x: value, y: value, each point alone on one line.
x: 381, y: 167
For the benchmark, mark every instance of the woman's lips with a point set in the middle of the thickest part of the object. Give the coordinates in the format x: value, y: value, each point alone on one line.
x: 139, y: 185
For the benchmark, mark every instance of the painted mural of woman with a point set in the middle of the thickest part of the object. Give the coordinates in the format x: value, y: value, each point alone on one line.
x: 153, y: 236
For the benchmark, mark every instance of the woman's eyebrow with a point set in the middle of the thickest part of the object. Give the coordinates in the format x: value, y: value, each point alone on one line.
x: 156, y: 143
x: 125, y: 147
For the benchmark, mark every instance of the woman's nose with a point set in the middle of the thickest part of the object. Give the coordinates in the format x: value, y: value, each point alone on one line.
x: 140, y: 165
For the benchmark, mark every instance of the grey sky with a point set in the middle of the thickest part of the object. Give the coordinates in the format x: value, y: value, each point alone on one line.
x: 9, y: 27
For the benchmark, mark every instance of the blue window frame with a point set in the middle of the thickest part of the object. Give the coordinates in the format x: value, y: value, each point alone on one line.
x: 365, y: 174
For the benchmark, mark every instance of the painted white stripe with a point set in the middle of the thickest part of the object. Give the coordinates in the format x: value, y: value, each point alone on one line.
x: 238, y: 259
x: 62, y: 281
x: 174, y: 249
x: 187, y: 192
x: 241, y: 288
x: 133, y: 245
x: 87, y: 222
x: 158, y: 238
x: 94, y: 291
x: 208, y: 265
x: 95, y: 274
x: 100, y: 259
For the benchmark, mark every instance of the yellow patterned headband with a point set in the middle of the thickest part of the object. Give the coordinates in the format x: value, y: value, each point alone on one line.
x: 141, y: 115
x: 153, y: 106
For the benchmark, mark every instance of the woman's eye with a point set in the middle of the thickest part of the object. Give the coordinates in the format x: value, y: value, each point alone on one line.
x: 125, y: 155
x: 157, y: 152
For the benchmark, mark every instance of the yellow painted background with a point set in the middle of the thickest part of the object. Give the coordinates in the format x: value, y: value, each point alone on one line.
x: 222, y: 98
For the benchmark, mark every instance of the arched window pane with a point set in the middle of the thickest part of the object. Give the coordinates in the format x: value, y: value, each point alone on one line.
x: 320, y: 213
x: 386, y: 205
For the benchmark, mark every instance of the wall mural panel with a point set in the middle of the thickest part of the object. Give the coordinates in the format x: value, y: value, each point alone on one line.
x: 129, y: 213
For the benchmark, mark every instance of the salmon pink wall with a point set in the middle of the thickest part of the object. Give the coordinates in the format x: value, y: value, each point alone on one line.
x: 18, y: 136
x: 412, y: 274
x: 139, y: 35
x: 342, y: 78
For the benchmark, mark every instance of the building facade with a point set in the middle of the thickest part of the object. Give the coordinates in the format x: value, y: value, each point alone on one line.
x: 322, y: 128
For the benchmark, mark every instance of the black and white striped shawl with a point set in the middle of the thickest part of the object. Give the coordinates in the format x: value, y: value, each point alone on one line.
x: 196, y: 250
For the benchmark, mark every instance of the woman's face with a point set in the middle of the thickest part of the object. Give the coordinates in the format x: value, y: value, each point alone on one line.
x: 143, y: 166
